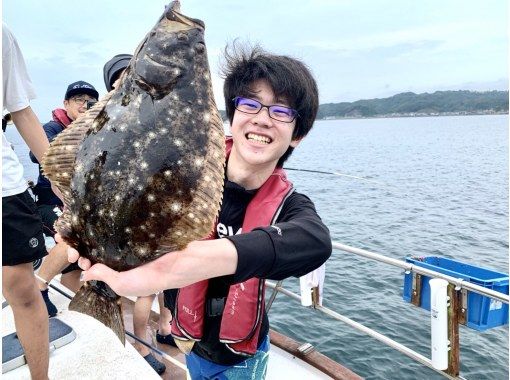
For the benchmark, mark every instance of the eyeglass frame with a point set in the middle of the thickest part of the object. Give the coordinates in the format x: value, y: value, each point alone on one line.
x: 83, y: 100
x: 296, y: 113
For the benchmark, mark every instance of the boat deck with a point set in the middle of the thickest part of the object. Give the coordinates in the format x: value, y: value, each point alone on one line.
x: 97, y: 354
x: 286, y: 360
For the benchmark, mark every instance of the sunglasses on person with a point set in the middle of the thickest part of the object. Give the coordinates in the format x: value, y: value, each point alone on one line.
x: 276, y: 112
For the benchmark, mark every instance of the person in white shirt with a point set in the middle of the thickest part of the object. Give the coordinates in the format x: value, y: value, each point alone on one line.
x: 22, y: 234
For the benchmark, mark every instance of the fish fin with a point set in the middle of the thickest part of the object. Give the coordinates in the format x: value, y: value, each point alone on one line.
x: 199, y: 217
x: 106, y: 309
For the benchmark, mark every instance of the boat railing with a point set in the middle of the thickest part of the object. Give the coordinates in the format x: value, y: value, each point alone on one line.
x: 458, y: 285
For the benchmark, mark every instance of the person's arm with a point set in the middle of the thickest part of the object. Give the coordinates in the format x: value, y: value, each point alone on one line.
x: 51, y: 129
x: 198, y: 261
x: 298, y: 243
x: 31, y: 131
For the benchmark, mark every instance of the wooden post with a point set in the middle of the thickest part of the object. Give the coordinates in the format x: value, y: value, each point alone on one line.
x: 453, y: 331
x: 315, y: 297
x: 463, y: 294
x: 416, y: 289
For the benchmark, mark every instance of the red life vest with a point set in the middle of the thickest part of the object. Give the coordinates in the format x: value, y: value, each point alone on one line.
x: 60, y: 116
x: 244, y: 305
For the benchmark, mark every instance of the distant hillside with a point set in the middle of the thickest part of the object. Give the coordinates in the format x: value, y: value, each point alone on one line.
x: 411, y: 104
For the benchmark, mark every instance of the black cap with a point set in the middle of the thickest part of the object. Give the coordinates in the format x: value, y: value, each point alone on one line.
x: 113, y: 67
x: 81, y: 87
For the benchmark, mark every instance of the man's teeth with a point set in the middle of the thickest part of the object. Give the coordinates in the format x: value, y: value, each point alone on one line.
x: 262, y: 139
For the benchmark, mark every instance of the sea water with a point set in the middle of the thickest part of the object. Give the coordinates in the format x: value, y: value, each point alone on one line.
x: 431, y: 186
x: 441, y: 189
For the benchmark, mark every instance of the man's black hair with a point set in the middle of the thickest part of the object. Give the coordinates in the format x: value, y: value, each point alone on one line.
x: 288, y: 77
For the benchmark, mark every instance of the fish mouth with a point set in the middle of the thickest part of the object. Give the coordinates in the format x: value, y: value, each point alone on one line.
x: 158, y: 63
x: 172, y: 13
x: 174, y: 66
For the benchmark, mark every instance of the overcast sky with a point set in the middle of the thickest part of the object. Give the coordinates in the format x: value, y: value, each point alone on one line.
x: 357, y: 49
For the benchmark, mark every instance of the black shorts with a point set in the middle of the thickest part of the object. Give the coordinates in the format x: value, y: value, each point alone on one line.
x: 22, y: 231
x: 49, y: 215
x: 170, y: 297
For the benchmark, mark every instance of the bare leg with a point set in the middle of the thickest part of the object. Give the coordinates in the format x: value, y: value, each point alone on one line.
x: 141, y: 315
x: 53, y: 264
x: 165, y: 316
x: 71, y: 280
x: 30, y: 316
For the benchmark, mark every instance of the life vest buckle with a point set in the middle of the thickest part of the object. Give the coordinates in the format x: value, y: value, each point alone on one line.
x: 214, y: 306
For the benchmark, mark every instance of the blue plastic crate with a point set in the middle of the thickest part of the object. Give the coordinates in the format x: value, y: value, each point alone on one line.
x: 482, y: 312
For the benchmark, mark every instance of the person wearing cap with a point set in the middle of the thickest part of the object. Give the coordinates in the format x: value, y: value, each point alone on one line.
x: 48, y: 204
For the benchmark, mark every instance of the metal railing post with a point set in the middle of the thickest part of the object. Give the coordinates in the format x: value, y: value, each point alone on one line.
x: 273, y: 295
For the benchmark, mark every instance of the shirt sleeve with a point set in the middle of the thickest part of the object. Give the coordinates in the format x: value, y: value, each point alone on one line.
x: 297, y: 244
x: 17, y: 86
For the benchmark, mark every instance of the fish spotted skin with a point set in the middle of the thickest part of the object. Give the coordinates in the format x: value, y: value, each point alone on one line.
x: 142, y: 171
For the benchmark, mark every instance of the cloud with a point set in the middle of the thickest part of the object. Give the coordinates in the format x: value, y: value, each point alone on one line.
x: 355, y: 48
x: 441, y: 37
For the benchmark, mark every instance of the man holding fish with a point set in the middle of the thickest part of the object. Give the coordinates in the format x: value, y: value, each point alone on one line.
x: 143, y: 175
x: 264, y: 230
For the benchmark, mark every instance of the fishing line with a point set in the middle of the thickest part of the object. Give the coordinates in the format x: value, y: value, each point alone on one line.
x: 392, y: 188
x: 337, y: 174
x: 53, y: 286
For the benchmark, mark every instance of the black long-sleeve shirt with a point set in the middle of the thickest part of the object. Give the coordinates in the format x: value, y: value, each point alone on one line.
x: 297, y: 244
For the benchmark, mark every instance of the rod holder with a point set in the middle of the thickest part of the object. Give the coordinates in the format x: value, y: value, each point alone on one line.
x: 440, y: 344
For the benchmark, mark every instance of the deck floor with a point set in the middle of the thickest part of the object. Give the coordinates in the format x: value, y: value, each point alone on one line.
x: 172, y: 370
x: 285, y: 360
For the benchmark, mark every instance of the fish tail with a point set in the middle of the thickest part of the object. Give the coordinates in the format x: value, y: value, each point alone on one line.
x: 96, y: 299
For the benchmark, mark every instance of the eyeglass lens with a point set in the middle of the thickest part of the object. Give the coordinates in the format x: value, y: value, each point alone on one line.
x: 81, y: 100
x: 280, y: 113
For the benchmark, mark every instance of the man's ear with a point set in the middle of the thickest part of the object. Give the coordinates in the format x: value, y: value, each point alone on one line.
x: 295, y: 142
x: 66, y: 103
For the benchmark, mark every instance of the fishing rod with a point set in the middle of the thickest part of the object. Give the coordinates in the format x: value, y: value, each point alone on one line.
x: 336, y: 174
x: 146, y: 344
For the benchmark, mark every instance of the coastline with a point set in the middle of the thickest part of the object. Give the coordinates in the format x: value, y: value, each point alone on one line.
x: 416, y: 114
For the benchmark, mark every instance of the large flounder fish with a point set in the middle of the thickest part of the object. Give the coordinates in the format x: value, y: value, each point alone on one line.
x: 142, y: 171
